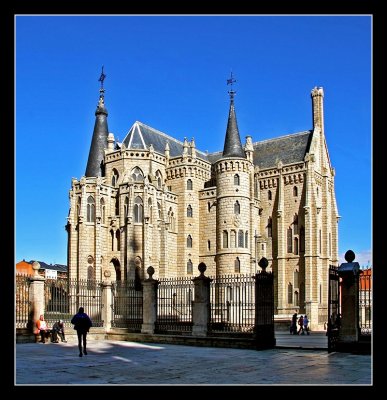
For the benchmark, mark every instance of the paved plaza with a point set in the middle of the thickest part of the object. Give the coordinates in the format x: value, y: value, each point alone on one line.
x: 296, y: 361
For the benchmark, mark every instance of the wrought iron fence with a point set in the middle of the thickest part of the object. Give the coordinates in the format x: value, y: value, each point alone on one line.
x: 232, y: 300
x: 334, y: 316
x: 63, y: 297
x: 126, y: 305
x: 174, y: 305
x: 23, y: 304
x: 365, y: 302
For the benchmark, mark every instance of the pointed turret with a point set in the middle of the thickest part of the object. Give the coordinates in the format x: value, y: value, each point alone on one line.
x: 100, y: 135
x: 232, y: 144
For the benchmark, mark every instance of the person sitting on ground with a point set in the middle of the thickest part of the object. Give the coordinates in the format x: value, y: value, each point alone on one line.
x: 58, y: 329
x: 42, y: 329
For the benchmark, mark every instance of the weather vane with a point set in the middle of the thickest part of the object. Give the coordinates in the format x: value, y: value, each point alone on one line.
x: 101, y: 79
x: 230, y: 82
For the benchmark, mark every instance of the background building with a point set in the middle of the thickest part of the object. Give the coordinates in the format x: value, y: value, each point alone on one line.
x: 155, y: 200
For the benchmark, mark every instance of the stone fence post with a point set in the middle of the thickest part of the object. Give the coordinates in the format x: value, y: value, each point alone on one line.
x: 36, y: 296
x: 106, y: 311
x: 201, y: 307
x: 149, y: 303
x: 349, y: 324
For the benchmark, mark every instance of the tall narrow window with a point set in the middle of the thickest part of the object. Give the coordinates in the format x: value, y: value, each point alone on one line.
x: 189, y: 267
x: 237, y: 265
x: 137, y: 175
x: 90, y: 278
x: 118, y: 247
x: 269, y: 227
x: 233, y: 239
x: 117, y: 205
x: 171, y: 219
x: 296, y: 299
x: 112, y: 237
x: 114, y: 177
x: 290, y: 240
x: 159, y: 179
x: 189, y: 211
x: 150, y: 210
x: 302, y: 239
x: 320, y: 296
x: 296, y: 246
x: 138, y: 209
x: 330, y: 243
x: 159, y: 210
x: 208, y: 245
x: 102, y: 209
x: 247, y: 239
x: 79, y: 207
x: 189, y: 184
x: 295, y: 191
x: 240, y: 238
x: 236, y: 180
x: 209, y: 206
x: 90, y: 209
x: 189, y: 241
x: 295, y: 225
x: 225, y: 239
x: 269, y: 196
x: 126, y: 206
x: 290, y: 293
x: 319, y: 241
x: 237, y: 208
x: 295, y: 278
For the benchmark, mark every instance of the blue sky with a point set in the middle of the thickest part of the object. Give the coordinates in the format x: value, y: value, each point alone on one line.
x: 170, y: 72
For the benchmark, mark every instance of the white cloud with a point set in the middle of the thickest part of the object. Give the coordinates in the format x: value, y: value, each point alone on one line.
x: 363, y: 257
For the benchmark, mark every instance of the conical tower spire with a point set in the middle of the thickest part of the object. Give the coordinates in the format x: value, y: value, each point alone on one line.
x: 100, y: 134
x: 232, y: 144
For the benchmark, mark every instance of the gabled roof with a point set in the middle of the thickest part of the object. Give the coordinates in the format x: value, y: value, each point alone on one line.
x: 141, y: 136
x: 55, y: 267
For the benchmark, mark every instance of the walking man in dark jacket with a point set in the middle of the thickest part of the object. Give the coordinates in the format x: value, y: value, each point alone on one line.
x: 82, y: 324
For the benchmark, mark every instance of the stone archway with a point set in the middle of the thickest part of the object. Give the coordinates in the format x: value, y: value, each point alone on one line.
x: 117, y: 268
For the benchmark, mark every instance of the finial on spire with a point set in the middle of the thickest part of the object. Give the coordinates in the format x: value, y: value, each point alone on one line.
x: 230, y: 82
x: 101, y: 79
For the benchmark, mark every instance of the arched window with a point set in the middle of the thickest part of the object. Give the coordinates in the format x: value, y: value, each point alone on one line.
x: 295, y: 191
x: 90, y: 278
x: 247, y: 239
x: 269, y: 227
x: 189, y: 211
x: 302, y: 239
x: 159, y: 210
x: 189, y: 241
x: 208, y: 245
x: 290, y: 240
x: 78, y: 207
x: 296, y: 246
x: 137, y: 175
x: 236, y: 180
x: 138, y: 209
x: 237, y: 265
x: 102, y: 209
x: 240, y: 238
x: 209, y: 206
x: 320, y: 294
x: 237, y: 208
x: 225, y: 239
x: 159, y: 179
x: 117, y: 205
x: 90, y: 209
x: 189, y: 184
x: 115, y: 176
x: 269, y: 195
x: 118, y: 240
x: 295, y: 278
x: 232, y: 239
x: 295, y: 225
x: 290, y: 293
x: 112, y: 237
x: 296, y: 299
x: 126, y: 206
x: 189, y: 267
x: 150, y: 210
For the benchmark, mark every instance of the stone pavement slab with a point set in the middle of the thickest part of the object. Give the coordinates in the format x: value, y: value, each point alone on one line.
x: 132, y: 363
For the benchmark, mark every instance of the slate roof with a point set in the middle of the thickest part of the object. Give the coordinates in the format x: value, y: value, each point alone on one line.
x: 55, y: 267
x: 232, y: 143
x: 141, y: 136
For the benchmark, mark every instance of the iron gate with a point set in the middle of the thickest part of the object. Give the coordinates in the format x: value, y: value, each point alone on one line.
x: 334, y: 316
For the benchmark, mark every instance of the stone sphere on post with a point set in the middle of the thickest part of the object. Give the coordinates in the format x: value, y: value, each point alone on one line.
x: 202, y: 267
x: 36, y: 267
x: 349, y: 256
x: 263, y: 263
x: 150, y: 272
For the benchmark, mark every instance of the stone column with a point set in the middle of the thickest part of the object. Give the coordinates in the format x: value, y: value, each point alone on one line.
x: 201, y: 306
x: 149, y: 311
x: 106, y: 309
x: 349, y: 324
x: 36, y: 296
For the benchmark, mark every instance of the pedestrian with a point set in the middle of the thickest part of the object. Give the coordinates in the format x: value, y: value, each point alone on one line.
x: 293, y: 326
x: 82, y: 324
x: 301, y: 324
x: 306, y: 327
x: 58, y: 329
x: 42, y: 329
